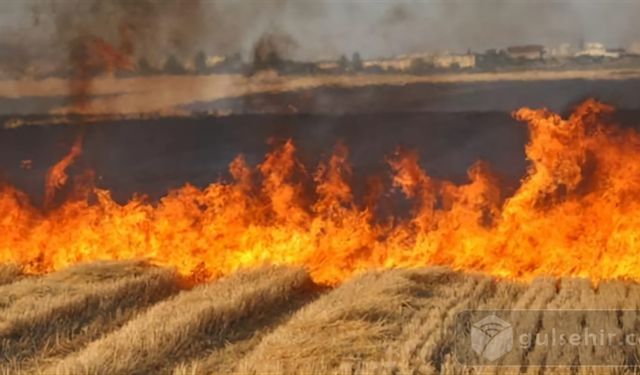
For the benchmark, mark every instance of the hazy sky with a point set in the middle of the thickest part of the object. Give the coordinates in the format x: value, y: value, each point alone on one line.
x: 323, y: 28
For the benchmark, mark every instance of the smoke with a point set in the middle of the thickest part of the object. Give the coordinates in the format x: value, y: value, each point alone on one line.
x: 270, y: 49
x: 57, y: 32
x: 321, y: 29
x: 159, y: 28
x: 151, y: 27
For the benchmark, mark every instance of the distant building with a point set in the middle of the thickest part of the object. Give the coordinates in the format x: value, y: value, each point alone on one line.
x: 620, y: 51
x: 562, y: 51
x: 328, y: 65
x: 466, y: 61
x: 597, y: 50
x: 441, y: 61
x: 527, y: 52
x: 400, y: 63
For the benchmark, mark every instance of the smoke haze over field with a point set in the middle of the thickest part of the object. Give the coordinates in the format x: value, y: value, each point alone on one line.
x: 320, y: 29
x: 81, y: 39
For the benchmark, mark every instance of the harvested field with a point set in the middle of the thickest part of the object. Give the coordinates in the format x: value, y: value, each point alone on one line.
x: 208, y: 317
x: 9, y: 273
x: 168, y: 94
x: 132, y: 318
x: 44, y: 318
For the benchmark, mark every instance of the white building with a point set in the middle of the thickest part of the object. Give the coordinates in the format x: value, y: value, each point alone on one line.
x: 466, y: 61
x: 597, y: 50
x: 527, y: 52
x: 564, y: 50
x: 443, y: 61
x: 399, y: 63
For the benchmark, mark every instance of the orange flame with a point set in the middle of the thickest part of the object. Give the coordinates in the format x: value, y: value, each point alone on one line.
x: 57, y: 176
x: 576, y: 213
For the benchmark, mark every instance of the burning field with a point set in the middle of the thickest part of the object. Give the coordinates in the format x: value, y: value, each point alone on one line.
x: 283, y: 268
x: 572, y: 215
x: 309, y: 258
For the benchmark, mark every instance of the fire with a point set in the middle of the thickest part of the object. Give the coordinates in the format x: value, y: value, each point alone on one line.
x: 57, y: 175
x: 576, y: 213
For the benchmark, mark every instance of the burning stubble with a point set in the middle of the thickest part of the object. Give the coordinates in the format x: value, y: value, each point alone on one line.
x: 57, y: 175
x: 575, y: 213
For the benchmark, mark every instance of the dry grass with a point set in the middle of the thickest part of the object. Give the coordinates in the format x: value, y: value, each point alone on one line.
x: 92, y: 319
x: 180, y: 328
x: 435, y: 354
x: 377, y: 323
x: 346, y: 324
x: 224, y: 360
x: 41, y: 318
x: 421, y: 343
x: 535, y: 296
x: 9, y: 273
x: 572, y: 294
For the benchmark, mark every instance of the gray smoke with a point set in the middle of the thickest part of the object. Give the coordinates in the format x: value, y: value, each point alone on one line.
x: 319, y: 29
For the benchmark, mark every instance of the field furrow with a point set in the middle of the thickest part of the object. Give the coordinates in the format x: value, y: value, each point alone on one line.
x: 45, y: 317
x: 569, y: 296
x: 133, y: 318
x: 626, y: 300
x: 536, y: 296
x: 422, y: 335
x: 351, y: 329
x: 194, y: 323
x: 495, y: 296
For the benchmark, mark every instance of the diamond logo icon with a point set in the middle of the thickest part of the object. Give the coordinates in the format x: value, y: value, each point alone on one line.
x: 491, y: 337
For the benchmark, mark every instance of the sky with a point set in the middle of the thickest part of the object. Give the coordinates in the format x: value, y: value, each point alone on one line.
x: 319, y: 29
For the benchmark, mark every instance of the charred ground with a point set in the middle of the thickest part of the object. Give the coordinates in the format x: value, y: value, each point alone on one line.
x: 451, y: 125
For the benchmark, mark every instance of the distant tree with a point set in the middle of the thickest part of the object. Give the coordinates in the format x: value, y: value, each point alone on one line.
x: 200, y: 63
x: 273, y: 60
x: 231, y: 64
x: 173, y: 66
x: 271, y: 51
x: 343, y: 63
x: 144, y: 67
x: 356, y: 62
x: 494, y: 59
x: 377, y: 69
x: 267, y: 60
x: 420, y: 66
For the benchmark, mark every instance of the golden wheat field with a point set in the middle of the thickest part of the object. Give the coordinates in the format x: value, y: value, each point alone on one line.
x: 134, y: 318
